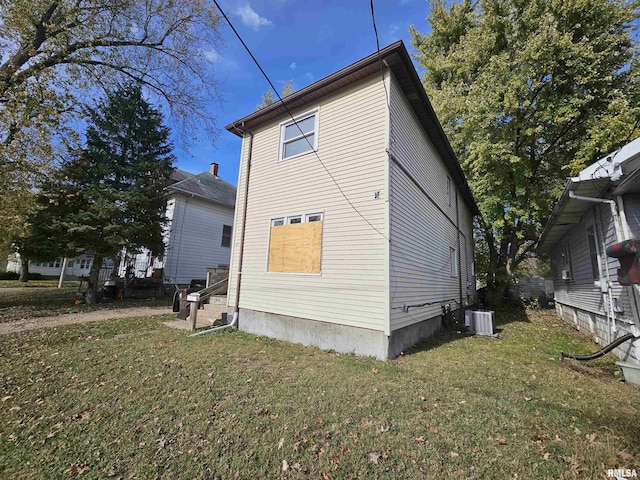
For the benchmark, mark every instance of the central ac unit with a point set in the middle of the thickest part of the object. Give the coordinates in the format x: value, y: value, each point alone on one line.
x: 479, y: 321
x: 566, y: 275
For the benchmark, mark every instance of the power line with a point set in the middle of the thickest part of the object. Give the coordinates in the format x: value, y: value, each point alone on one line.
x: 280, y: 99
x: 296, y: 123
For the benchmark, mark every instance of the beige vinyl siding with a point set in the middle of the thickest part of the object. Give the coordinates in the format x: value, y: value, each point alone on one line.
x: 421, y: 235
x: 194, y: 240
x: 352, y: 285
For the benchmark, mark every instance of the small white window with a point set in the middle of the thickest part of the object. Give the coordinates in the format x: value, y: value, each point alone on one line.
x: 276, y: 222
x: 453, y: 262
x: 300, y: 136
x: 313, y: 217
x: 294, y: 219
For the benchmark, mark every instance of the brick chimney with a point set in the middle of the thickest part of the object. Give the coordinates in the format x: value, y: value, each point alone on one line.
x: 213, y: 169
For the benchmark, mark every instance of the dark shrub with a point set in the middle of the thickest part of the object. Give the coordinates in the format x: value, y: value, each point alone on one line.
x: 9, y: 276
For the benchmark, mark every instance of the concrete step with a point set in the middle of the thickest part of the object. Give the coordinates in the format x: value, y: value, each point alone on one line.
x: 212, y: 311
x: 218, y: 300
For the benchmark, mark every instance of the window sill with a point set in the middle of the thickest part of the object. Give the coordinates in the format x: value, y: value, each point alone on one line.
x: 296, y: 156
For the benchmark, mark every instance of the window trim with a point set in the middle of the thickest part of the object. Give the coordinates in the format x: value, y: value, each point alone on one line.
x: 449, y: 190
x: 319, y: 214
x: 565, y: 254
x: 592, y: 225
x: 229, y: 236
x: 298, y: 118
x: 285, y: 218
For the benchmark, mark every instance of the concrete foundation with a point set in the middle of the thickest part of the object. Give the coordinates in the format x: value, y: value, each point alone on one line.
x: 331, y: 336
x: 596, y: 327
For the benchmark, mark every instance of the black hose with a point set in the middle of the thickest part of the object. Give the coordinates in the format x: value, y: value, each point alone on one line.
x: 598, y: 354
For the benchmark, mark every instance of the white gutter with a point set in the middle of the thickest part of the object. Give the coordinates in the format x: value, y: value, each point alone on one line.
x: 614, y: 212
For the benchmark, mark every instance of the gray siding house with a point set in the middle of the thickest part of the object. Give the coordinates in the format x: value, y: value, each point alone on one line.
x: 353, y: 223
x: 197, y: 237
x: 598, y: 208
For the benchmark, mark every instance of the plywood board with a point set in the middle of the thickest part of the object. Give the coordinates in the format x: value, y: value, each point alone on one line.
x: 295, y: 248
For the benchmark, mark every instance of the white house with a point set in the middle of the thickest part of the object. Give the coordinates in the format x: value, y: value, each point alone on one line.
x: 198, y: 233
x: 353, y: 225
x: 598, y: 208
x: 76, y: 267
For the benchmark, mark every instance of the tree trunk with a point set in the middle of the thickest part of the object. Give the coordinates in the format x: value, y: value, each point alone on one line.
x: 92, y: 286
x: 24, y: 269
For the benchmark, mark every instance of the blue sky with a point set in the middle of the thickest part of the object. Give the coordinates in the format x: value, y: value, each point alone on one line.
x: 294, y: 40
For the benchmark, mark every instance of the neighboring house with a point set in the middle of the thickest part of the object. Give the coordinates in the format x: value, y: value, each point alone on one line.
x: 353, y: 228
x: 198, y: 233
x: 76, y: 267
x: 598, y: 208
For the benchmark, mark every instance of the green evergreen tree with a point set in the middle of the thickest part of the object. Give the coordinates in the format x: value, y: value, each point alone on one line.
x: 529, y: 92
x: 110, y: 195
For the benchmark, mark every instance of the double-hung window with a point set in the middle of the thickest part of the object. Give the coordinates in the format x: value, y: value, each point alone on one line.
x: 565, y: 262
x: 226, y: 236
x: 299, y: 136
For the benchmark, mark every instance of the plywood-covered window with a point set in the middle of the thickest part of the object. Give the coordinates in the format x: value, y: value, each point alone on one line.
x: 295, y: 244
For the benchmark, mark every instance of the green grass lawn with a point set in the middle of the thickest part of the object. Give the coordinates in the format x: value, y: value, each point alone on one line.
x: 41, y: 298
x: 133, y: 399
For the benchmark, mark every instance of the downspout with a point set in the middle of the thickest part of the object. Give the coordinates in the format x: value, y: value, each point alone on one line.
x: 610, y: 312
x: 459, y: 256
x: 234, y: 320
x: 620, y: 236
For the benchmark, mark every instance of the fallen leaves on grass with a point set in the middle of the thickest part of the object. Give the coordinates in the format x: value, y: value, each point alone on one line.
x: 375, y: 457
x: 75, y: 470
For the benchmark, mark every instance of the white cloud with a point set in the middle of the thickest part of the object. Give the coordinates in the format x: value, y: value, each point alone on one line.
x: 250, y: 18
x: 309, y: 76
x: 293, y: 66
x: 211, y: 56
x: 393, y: 29
x: 222, y: 63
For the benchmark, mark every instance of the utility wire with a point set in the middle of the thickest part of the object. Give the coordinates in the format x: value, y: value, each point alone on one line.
x: 305, y: 136
x: 264, y: 74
